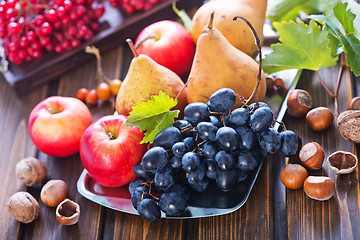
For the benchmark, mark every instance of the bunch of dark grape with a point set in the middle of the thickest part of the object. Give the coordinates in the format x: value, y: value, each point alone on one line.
x: 212, y: 144
x: 28, y: 29
x: 131, y: 6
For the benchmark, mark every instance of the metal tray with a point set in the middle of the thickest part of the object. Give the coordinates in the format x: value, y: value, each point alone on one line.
x: 213, y: 201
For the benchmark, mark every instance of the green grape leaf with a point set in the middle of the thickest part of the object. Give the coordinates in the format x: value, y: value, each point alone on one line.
x: 153, y: 116
x: 301, y: 47
x: 284, y: 10
x: 340, y: 25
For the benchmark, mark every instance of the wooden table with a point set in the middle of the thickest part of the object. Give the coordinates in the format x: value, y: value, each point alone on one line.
x: 271, y: 212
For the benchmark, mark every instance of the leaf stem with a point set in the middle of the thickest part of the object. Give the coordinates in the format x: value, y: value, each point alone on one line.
x: 323, y: 84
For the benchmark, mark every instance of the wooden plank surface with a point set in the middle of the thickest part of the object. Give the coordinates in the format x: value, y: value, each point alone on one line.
x: 271, y: 212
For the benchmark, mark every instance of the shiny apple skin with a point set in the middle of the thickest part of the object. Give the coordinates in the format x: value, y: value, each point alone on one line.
x: 109, y: 150
x: 171, y: 47
x: 56, y: 125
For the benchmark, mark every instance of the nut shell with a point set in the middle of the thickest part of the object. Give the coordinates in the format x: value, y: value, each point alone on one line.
x: 31, y: 171
x: 24, y: 207
x: 319, y: 187
x: 299, y: 103
x: 342, y: 162
x: 319, y: 118
x: 54, y: 192
x: 293, y: 176
x: 68, y: 212
x: 348, y: 123
x: 312, y: 156
x: 354, y: 104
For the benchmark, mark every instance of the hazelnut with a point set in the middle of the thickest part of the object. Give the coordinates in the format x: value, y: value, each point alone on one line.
x: 312, y: 156
x: 24, y: 207
x: 348, y: 123
x: 299, y: 103
x: 319, y: 187
x: 354, y: 104
x: 54, y: 192
x: 293, y: 176
x: 31, y: 171
x: 68, y: 212
x: 342, y: 162
x: 319, y: 118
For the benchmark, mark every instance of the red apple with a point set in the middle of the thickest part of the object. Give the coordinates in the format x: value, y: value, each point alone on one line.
x: 57, y: 124
x: 169, y: 44
x: 109, y: 150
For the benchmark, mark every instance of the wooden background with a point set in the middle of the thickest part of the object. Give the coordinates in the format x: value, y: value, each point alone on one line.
x: 271, y: 212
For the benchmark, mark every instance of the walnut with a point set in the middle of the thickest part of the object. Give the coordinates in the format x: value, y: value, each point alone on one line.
x: 31, y: 171
x: 24, y: 207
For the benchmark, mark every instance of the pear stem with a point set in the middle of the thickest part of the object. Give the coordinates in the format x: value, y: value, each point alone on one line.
x: 254, y: 93
x: 132, y: 47
x: 211, y: 20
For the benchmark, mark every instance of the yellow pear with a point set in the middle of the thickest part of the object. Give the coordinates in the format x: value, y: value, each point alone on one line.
x: 236, y: 32
x: 145, y: 78
x: 218, y: 64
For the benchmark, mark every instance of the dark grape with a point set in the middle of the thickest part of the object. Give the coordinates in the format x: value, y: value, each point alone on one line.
x: 155, y: 158
x: 269, y: 141
x: 190, y: 142
x: 247, y: 139
x: 225, y: 161
x: 211, y: 169
x: 261, y: 119
x: 139, y: 194
x: 190, y: 162
x: 215, y: 121
x: 184, y: 126
x: 222, y: 100
x: 246, y: 161
x: 172, y: 203
x: 289, y: 143
x: 227, y: 139
x: 179, y: 149
x: 149, y: 210
x: 135, y: 183
x: 197, y: 112
x: 141, y: 172
x: 164, y: 178
x: 181, y: 190
x: 200, y: 186
x: 209, y: 150
x: 257, y: 105
x: 226, y: 179
x: 175, y: 161
x: 207, y: 131
x: 198, y: 174
x: 239, y: 117
x: 168, y: 137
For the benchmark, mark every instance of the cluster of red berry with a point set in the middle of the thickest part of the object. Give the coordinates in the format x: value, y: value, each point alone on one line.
x: 30, y: 28
x: 130, y: 6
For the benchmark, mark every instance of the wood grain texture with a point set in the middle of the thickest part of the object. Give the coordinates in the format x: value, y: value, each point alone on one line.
x: 332, y: 219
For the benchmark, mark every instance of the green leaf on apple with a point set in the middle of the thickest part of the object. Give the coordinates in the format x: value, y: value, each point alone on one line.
x: 153, y: 116
x: 301, y: 47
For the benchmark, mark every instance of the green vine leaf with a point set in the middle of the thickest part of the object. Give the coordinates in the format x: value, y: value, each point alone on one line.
x: 344, y: 33
x: 153, y: 116
x: 301, y: 47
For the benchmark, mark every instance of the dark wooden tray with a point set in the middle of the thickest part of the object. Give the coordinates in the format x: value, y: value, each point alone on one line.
x: 116, y: 27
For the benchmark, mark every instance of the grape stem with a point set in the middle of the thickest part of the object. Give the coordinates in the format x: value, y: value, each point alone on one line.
x: 254, y: 93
